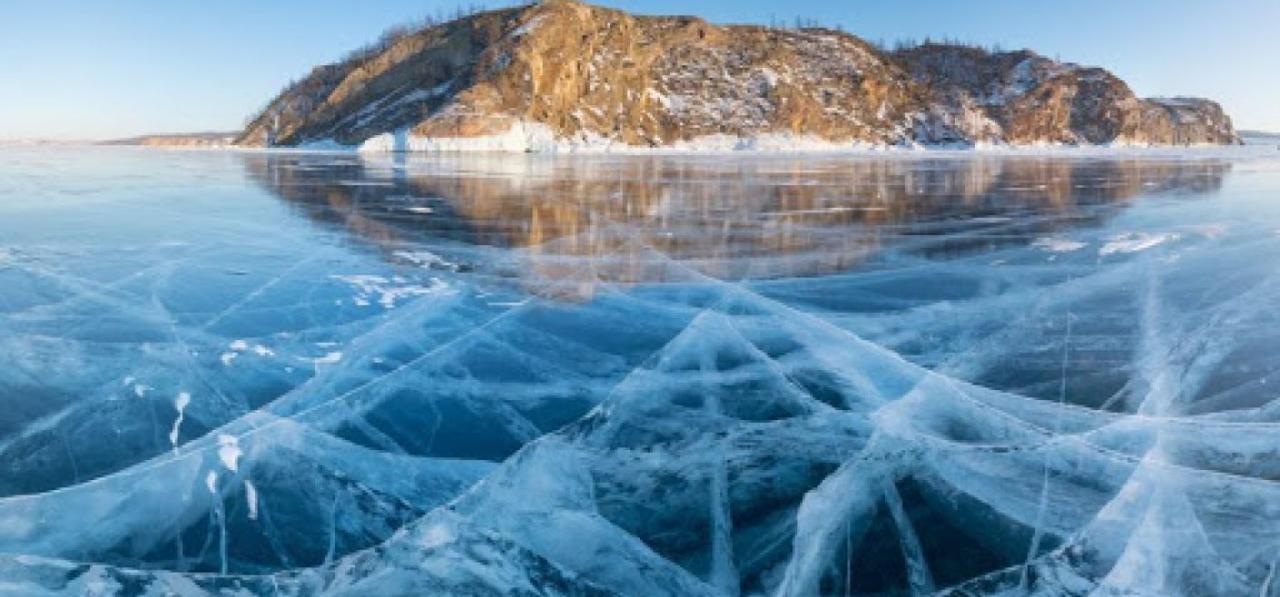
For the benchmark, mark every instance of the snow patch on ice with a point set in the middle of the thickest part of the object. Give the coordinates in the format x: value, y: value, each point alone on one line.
x: 139, y: 389
x: 388, y: 292
x: 251, y: 499
x: 426, y: 259
x: 180, y: 404
x: 229, y: 451
x: 1134, y: 242
x: 238, y: 347
x: 1059, y: 245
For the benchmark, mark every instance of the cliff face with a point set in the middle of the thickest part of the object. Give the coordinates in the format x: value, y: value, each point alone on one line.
x: 565, y: 72
x: 1022, y: 97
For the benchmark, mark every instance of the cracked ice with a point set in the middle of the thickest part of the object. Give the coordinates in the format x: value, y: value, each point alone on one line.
x: 294, y: 374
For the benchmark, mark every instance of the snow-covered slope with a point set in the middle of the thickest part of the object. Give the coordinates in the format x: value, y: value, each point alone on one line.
x: 563, y: 74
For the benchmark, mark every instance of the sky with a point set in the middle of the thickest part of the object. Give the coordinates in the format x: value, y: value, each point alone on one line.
x: 96, y: 69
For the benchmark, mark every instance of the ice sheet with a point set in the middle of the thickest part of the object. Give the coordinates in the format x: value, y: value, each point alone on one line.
x: 638, y: 375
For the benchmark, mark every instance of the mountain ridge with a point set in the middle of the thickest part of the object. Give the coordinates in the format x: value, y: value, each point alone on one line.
x: 203, y: 139
x: 565, y: 74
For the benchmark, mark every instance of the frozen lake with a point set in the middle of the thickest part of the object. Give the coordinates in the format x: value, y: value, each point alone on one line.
x: 290, y: 373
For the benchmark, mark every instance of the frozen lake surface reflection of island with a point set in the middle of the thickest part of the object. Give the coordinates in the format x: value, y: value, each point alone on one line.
x: 299, y: 374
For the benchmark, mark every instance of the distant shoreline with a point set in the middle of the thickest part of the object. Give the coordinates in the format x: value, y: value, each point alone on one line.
x: 1252, y: 145
x: 734, y: 147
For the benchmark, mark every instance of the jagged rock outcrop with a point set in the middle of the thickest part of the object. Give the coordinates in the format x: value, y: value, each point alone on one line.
x: 565, y: 73
x: 1023, y: 97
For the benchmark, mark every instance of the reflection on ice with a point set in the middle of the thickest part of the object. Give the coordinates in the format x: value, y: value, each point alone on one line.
x: 567, y: 218
x: 315, y: 374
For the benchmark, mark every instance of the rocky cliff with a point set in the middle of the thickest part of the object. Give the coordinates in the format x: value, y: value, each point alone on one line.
x: 1022, y: 97
x: 566, y: 74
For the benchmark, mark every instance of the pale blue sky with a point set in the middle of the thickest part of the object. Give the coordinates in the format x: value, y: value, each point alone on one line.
x: 109, y: 68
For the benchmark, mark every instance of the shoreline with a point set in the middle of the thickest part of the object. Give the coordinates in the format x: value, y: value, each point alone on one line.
x: 1045, y: 150
x: 540, y: 144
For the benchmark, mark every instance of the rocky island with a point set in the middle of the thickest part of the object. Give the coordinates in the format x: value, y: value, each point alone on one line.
x: 562, y: 74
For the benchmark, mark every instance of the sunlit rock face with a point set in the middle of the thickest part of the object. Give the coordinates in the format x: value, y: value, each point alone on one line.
x: 1025, y: 98
x: 564, y: 75
x: 308, y: 374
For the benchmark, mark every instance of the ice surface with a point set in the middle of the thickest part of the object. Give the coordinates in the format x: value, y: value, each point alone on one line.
x: 302, y: 374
